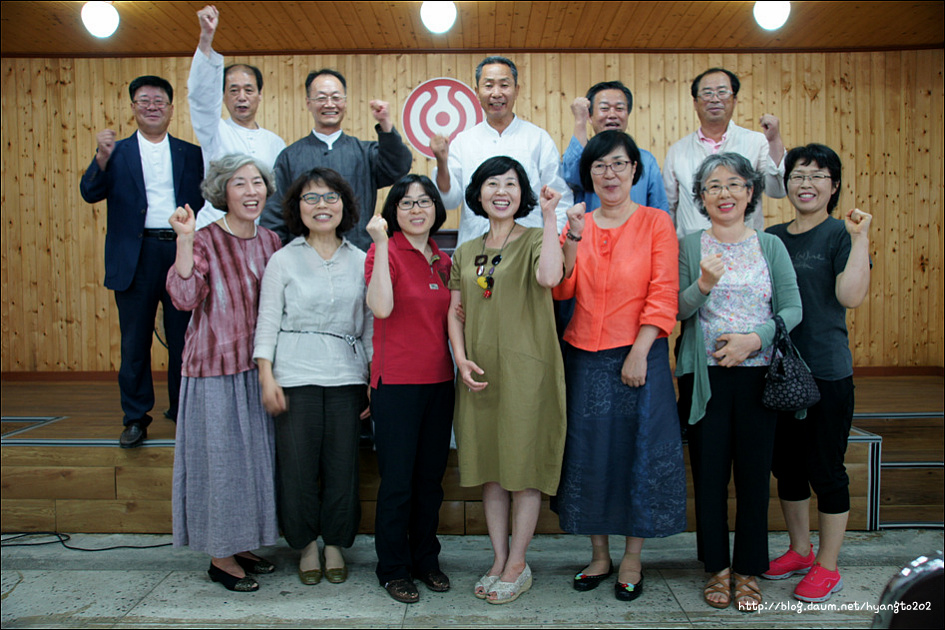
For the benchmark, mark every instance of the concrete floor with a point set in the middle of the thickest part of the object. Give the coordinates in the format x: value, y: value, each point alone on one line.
x: 53, y: 587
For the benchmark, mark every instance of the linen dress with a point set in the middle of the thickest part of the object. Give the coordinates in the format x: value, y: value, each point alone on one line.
x: 224, y: 456
x: 513, y: 431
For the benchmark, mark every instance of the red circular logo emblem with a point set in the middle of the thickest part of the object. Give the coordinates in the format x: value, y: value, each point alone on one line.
x: 440, y: 106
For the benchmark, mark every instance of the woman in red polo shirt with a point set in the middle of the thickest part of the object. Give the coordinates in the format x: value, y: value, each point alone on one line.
x: 411, y: 384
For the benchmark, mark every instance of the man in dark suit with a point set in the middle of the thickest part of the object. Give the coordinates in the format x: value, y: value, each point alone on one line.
x: 144, y: 178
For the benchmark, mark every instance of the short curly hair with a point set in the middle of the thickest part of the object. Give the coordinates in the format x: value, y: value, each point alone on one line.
x: 220, y: 172
x: 329, y: 179
x: 737, y: 164
x: 492, y: 167
x: 821, y: 156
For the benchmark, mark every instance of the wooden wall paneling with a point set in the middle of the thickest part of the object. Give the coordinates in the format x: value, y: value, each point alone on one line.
x: 907, y: 197
x: 895, y: 160
x: 881, y: 137
x: 102, y: 344
x: 54, y: 285
x: 39, y: 256
x: 882, y: 112
x: 932, y: 68
x: 647, y: 118
x: 143, y: 516
x: 11, y: 315
x: 43, y: 482
x: 846, y: 144
x: 666, y: 131
x: 29, y: 515
x: 67, y: 203
x: 29, y: 221
x: 861, y: 177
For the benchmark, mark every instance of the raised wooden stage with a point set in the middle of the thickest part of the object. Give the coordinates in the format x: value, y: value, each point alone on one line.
x: 62, y: 469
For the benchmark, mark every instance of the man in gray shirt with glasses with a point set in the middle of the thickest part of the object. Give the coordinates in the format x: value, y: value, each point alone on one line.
x: 714, y: 96
x: 365, y: 165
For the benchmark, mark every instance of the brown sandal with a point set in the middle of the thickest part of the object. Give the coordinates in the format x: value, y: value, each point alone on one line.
x: 747, y: 594
x: 719, y: 584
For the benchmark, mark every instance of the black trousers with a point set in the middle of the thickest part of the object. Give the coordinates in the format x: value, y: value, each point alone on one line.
x: 736, y: 434
x: 137, y: 308
x: 809, y: 453
x: 412, y: 425
x: 317, y: 464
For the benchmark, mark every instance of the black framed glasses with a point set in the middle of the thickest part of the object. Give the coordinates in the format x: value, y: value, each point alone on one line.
x: 313, y: 198
x: 408, y: 204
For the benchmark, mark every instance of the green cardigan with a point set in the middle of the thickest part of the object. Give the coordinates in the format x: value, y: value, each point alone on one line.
x: 786, y: 302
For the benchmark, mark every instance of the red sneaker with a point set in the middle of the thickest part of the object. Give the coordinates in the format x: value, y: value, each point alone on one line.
x: 789, y: 564
x: 818, y: 585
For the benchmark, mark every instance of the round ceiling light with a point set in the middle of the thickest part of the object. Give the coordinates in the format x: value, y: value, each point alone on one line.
x: 771, y: 15
x: 100, y: 18
x: 438, y: 17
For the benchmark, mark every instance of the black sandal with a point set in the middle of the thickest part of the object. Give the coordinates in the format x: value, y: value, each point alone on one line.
x: 255, y: 565
x: 231, y: 582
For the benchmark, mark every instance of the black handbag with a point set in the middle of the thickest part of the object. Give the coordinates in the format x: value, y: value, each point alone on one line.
x: 789, y: 385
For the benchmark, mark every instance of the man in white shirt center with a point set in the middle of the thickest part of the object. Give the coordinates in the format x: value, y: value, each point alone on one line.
x: 241, y: 93
x: 501, y: 133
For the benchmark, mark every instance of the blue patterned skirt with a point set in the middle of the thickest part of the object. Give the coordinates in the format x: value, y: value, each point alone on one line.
x: 623, y: 470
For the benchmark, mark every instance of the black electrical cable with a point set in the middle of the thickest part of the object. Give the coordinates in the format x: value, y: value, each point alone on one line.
x: 62, y: 539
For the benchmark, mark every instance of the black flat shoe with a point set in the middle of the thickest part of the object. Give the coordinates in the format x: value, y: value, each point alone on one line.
x: 628, y: 592
x: 435, y: 580
x: 231, y: 582
x: 256, y: 565
x: 584, y: 583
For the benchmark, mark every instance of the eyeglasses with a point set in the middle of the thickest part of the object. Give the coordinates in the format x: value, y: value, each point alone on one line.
x: 815, y: 178
x: 334, y: 99
x: 408, y: 204
x: 147, y: 103
x: 714, y: 190
x: 723, y: 94
x: 617, y: 166
x: 313, y: 198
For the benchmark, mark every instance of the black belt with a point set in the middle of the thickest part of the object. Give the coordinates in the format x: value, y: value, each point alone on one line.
x: 161, y: 235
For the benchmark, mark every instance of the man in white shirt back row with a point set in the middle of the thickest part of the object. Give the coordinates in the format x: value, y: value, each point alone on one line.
x: 239, y: 87
x: 501, y: 133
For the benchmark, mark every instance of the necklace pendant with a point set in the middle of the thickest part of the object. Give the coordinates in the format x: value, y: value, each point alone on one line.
x: 487, y: 294
x: 483, y: 282
x: 496, y: 259
x: 480, y: 269
x: 480, y: 260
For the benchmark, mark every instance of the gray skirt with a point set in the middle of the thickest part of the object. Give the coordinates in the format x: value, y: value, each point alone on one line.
x: 224, y: 462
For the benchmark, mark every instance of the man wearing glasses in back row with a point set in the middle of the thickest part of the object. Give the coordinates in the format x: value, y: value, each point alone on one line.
x: 714, y: 95
x: 365, y: 165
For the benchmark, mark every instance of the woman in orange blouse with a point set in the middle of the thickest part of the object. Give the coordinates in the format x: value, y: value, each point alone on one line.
x: 623, y: 468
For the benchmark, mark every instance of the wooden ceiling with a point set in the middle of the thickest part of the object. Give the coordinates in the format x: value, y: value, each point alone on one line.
x: 53, y: 29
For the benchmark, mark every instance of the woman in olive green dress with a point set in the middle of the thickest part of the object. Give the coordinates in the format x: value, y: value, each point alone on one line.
x: 510, y: 413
